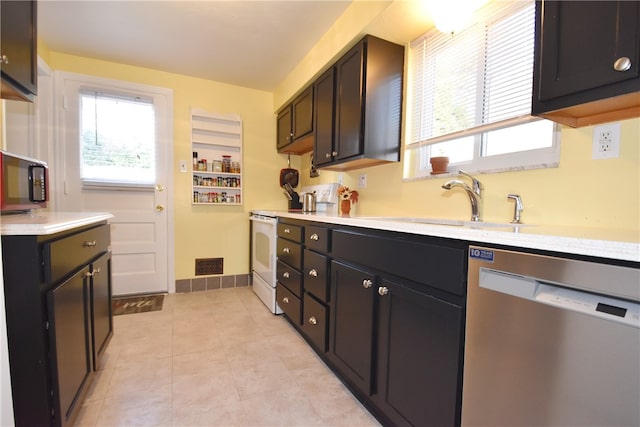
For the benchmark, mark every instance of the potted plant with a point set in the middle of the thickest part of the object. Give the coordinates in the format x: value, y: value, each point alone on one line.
x: 346, y: 197
x: 439, y: 163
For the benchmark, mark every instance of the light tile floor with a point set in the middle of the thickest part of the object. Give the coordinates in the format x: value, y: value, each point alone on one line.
x: 215, y: 358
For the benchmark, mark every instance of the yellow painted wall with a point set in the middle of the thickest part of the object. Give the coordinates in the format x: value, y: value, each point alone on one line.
x: 208, y: 231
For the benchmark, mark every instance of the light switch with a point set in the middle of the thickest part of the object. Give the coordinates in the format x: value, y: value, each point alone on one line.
x: 183, y: 166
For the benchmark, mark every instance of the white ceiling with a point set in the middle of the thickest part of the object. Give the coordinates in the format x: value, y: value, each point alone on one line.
x: 254, y: 44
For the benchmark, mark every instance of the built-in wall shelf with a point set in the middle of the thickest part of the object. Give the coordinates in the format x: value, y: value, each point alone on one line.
x: 216, y: 142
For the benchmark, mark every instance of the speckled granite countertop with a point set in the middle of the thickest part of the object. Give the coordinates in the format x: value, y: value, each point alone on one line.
x: 604, y: 243
x: 43, y: 223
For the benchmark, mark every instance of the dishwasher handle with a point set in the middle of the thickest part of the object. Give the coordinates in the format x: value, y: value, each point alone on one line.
x: 607, y: 308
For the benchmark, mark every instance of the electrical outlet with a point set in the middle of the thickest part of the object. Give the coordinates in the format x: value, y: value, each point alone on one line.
x: 183, y: 165
x: 362, y: 180
x: 606, y: 141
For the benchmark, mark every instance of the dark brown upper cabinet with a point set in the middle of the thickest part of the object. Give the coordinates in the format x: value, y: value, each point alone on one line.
x: 18, y: 50
x: 295, y: 125
x: 367, y: 107
x: 587, y: 61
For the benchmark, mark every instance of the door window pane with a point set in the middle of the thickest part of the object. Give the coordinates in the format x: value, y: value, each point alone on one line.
x: 117, y: 139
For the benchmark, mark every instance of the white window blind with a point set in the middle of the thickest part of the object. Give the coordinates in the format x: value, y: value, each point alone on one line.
x: 477, y: 80
x: 117, y: 141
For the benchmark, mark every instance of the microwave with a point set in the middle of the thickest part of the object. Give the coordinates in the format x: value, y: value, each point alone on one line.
x: 24, y: 183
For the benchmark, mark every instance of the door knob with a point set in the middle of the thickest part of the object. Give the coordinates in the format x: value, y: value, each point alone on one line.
x: 159, y: 187
x: 159, y: 208
x: 622, y: 64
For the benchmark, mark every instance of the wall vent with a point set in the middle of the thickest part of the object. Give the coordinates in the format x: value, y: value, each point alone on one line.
x: 207, y: 266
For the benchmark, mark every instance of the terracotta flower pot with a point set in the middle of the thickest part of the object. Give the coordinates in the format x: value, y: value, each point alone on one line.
x: 439, y: 164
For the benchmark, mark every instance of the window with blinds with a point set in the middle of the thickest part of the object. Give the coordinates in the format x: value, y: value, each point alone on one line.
x: 117, y: 143
x: 470, y: 95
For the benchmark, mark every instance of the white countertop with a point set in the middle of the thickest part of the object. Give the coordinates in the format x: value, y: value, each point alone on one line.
x: 605, y: 243
x: 43, y: 223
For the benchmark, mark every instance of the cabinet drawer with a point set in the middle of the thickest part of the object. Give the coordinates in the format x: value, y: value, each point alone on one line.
x: 432, y: 262
x: 290, y: 278
x: 318, y: 238
x: 314, y: 322
x: 290, y: 252
x: 289, y: 303
x: 67, y: 254
x: 316, y: 277
x: 290, y: 232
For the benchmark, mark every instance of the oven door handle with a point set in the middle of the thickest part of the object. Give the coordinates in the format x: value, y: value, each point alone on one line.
x: 265, y: 220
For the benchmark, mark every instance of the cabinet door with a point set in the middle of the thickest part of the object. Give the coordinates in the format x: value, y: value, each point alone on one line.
x: 580, y: 41
x: 101, y: 316
x: 419, y: 357
x: 349, y: 111
x: 303, y: 114
x: 284, y: 122
x: 18, y: 44
x: 324, y: 111
x: 69, y: 336
x: 351, y: 327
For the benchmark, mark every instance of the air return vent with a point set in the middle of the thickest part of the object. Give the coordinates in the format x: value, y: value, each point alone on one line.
x: 206, y: 266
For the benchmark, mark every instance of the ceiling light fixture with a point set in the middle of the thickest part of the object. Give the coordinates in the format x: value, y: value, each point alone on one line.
x: 452, y: 16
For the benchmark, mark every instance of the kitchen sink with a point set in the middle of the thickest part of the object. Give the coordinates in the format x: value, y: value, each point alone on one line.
x: 447, y: 222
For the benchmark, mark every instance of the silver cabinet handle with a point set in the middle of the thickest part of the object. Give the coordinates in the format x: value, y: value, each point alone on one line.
x: 285, y: 300
x: 313, y: 320
x: 315, y: 237
x: 328, y: 156
x: 622, y: 64
x: 89, y: 244
x: 96, y: 271
x: 88, y: 274
x: 383, y: 290
x: 313, y: 272
x: 335, y: 153
x: 286, y: 275
x: 366, y: 283
x: 4, y: 59
x: 287, y: 231
x: 286, y: 250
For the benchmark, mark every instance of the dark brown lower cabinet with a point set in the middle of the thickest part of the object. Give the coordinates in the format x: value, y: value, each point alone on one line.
x: 419, y: 354
x: 351, y: 336
x: 70, y: 341
x: 101, y: 309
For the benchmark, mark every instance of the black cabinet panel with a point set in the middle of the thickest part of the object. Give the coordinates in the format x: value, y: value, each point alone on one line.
x: 318, y: 238
x: 426, y: 261
x: 576, y: 49
x: 295, y: 233
x: 290, y: 303
x: 315, y: 322
x: 283, y: 124
x: 349, y: 106
x: 419, y: 358
x: 316, y: 279
x: 351, y: 339
x: 71, y: 351
x: 101, y: 315
x: 324, y: 117
x: 18, y: 44
x: 303, y: 114
x: 290, y: 253
x: 289, y: 277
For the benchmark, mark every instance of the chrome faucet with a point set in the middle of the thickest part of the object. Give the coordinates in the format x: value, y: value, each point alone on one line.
x: 474, y: 192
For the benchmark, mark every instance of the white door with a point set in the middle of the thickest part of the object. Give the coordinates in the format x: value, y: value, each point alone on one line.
x: 140, y: 234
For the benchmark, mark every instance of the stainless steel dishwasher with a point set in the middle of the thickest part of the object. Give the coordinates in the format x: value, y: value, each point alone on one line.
x: 550, y: 342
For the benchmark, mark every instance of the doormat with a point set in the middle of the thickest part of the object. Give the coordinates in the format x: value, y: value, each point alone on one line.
x: 137, y: 304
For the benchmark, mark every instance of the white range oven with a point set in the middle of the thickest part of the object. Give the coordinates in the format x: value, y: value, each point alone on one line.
x: 264, y: 236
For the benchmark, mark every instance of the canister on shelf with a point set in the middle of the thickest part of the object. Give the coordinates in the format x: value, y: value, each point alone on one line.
x: 226, y: 163
x: 217, y: 166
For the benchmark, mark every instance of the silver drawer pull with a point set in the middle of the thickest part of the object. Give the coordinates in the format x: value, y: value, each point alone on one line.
x: 285, y: 300
x: 286, y: 275
x: 287, y: 231
x: 96, y: 271
x: 286, y: 250
x: 313, y: 320
x: 383, y: 290
x: 88, y: 274
x: 315, y: 237
x: 622, y: 64
x: 366, y: 283
x: 313, y: 272
x: 89, y: 244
